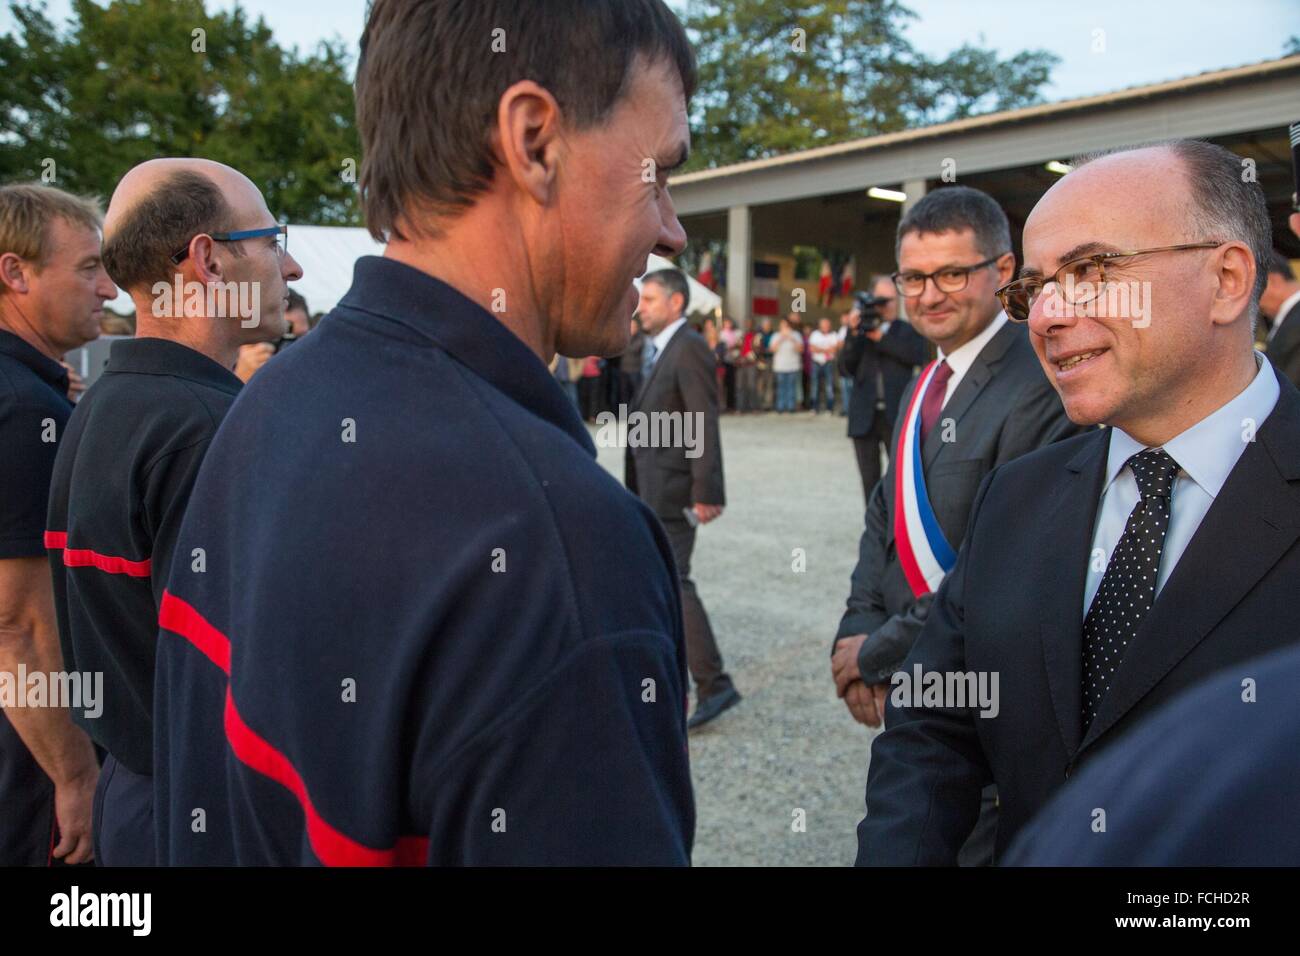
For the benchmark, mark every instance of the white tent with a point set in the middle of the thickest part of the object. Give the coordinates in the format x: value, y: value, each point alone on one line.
x: 327, y: 254
x: 703, y: 301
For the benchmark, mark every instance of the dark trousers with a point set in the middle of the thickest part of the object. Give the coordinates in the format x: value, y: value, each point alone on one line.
x: 26, y: 804
x: 868, y: 448
x: 629, y: 383
x: 122, y: 824
x: 702, y: 655
x: 746, y: 388
x: 589, y: 397
x: 611, y: 387
x: 978, y: 848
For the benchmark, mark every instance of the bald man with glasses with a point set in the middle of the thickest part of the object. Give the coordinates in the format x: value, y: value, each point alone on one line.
x: 1102, y: 575
x: 207, y: 269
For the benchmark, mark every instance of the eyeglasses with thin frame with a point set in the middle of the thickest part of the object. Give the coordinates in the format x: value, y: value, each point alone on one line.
x: 281, y: 234
x: 947, y: 279
x: 1077, y: 282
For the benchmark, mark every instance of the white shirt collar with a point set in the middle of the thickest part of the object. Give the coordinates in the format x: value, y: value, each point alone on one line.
x: 661, y: 340
x: 1282, y: 310
x: 964, y: 356
x: 1208, y: 451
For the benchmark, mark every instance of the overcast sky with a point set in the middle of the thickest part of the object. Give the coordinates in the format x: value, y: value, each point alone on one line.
x: 1145, y: 41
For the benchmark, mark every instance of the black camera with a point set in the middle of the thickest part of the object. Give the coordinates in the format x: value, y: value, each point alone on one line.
x: 868, y: 308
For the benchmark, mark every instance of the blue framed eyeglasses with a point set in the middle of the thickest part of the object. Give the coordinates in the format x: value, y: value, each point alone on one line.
x: 281, y: 234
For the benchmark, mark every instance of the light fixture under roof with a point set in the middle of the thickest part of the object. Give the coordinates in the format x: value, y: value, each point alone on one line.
x: 893, y: 195
x: 1057, y: 167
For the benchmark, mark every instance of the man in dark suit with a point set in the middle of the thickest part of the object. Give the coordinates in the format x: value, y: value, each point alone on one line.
x: 986, y: 402
x: 1280, y: 303
x: 681, y: 480
x: 1245, y: 724
x: 880, y: 361
x: 1102, y: 575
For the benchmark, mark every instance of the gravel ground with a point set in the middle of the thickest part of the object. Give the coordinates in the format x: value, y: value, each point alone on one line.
x: 792, y: 482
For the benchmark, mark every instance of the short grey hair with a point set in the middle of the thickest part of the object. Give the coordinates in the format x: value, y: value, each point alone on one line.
x: 1222, y: 205
x: 673, y: 282
x: 955, y: 208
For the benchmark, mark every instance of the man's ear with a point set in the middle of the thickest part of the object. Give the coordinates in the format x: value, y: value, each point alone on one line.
x: 1006, y: 266
x: 1236, y: 283
x: 203, y: 262
x: 14, y: 272
x: 527, y: 138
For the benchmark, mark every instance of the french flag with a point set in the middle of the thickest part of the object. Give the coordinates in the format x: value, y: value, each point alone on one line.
x: 765, y: 290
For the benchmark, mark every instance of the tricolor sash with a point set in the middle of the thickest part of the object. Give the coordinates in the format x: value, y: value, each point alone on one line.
x: 923, y: 551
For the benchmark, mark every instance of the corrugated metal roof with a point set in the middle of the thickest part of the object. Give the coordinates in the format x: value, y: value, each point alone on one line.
x: 1261, y: 70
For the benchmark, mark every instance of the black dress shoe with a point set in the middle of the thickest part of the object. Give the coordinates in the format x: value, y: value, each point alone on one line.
x: 706, y: 710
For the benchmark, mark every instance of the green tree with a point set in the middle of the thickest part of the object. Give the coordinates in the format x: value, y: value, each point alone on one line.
x: 144, y: 78
x: 778, y: 76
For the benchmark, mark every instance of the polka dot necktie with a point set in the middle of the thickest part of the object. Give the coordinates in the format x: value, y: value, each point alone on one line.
x: 1128, y: 588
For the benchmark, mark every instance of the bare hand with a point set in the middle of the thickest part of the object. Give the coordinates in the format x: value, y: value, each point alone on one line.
x: 72, y: 809
x: 251, y: 358
x: 866, y: 702
x: 844, y: 662
x: 1295, y: 224
x: 76, y: 384
x: 707, y: 513
x: 875, y: 334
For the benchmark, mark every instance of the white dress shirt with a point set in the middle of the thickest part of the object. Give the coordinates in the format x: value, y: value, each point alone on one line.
x: 963, y: 357
x: 663, y: 338
x: 1205, y: 453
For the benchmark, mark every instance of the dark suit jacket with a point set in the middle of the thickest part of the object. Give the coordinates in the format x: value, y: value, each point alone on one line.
x: 1284, y: 348
x: 684, y: 380
x: 1013, y: 606
x: 1003, y: 407
x: 891, y: 362
x: 1243, y: 813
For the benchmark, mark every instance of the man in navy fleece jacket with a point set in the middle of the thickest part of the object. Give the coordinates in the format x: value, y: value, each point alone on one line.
x: 410, y: 619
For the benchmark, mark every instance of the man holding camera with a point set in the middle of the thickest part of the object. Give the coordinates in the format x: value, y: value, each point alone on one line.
x: 983, y: 402
x: 879, y: 356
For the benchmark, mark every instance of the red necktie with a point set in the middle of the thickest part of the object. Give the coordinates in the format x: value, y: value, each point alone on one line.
x: 932, y: 404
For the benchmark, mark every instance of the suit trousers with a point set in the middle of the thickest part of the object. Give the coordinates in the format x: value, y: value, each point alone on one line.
x: 868, y: 448
x: 978, y: 848
x: 746, y: 388
x: 702, y: 655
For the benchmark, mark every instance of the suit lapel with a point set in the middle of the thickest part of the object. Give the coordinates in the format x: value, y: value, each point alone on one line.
x: 968, y: 389
x: 1254, y: 521
x: 1061, y: 573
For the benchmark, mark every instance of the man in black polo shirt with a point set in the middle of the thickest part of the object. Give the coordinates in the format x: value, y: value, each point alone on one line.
x: 52, y: 292
x: 203, y: 260
x: 431, y: 628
